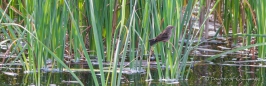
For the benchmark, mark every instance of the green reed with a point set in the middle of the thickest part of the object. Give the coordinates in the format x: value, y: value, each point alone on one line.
x: 261, y: 27
x: 117, y: 31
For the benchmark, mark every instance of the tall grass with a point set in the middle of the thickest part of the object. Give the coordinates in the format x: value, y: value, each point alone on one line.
x: 117, y: 31
x: 261, y: 27
x: 247, y: 23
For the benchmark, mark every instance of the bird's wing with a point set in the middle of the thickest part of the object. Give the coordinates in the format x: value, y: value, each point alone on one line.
x: 162, y: 36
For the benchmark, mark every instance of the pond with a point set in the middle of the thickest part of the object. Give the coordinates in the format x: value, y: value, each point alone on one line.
x: 223, y: 73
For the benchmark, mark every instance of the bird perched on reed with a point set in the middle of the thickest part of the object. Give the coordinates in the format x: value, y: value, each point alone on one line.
x: 164, y: 36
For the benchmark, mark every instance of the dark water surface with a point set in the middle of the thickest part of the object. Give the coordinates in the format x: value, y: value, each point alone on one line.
x: 222, y: 73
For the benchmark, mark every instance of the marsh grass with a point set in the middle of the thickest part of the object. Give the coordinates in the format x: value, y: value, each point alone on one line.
x: 116, y: 30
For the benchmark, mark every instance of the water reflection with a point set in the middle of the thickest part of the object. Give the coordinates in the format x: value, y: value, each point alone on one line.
x: 220, y: 72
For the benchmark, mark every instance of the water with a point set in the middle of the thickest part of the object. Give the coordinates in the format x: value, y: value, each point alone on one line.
x: 222, y: 73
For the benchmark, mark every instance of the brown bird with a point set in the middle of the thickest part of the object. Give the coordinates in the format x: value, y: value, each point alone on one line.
x: 164, y: 36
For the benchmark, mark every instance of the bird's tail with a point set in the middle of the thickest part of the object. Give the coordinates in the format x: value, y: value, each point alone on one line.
x: 152, y: 42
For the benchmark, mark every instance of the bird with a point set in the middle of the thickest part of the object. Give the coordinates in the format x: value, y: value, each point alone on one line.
x: 164, y: 36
